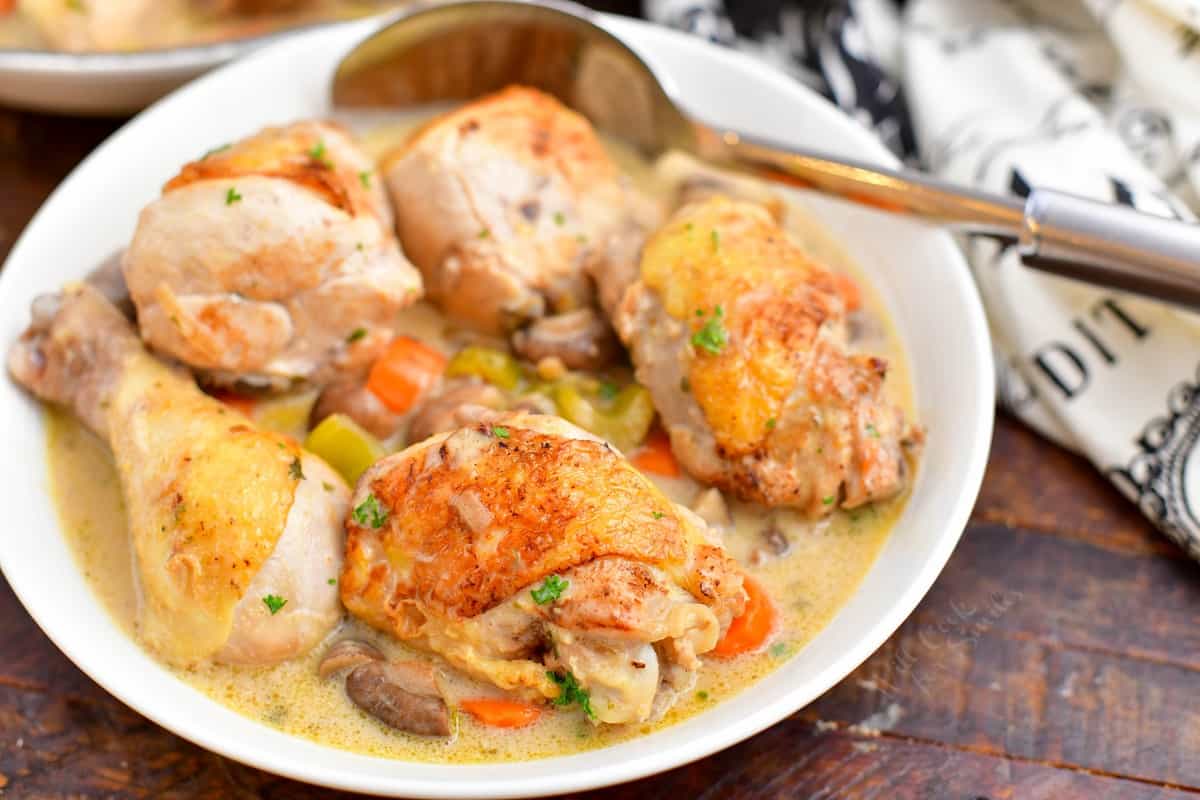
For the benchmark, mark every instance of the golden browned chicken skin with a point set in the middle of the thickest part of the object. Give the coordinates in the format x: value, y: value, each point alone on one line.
x: 741, y: 340
x: 502, y: 204
x: 221, y: 514
x: 261, y: 259
x: 450, y: 538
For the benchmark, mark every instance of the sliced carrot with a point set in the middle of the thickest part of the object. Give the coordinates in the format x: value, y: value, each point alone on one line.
x: 655, y: 455
x: 848, y: 288
x: 240, y: 402
x: 753, y: 627
x: 405, y: 372
x: 502, y: 713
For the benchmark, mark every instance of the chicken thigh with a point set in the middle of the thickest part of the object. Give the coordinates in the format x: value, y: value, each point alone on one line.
x: 271, y: 261
x: 741, y: 340
x: 502, y: 203
x: 528, y: 552
x: 237, y: 532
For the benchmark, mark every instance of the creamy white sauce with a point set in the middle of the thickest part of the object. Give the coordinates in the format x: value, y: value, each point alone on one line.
x: 823, y: 566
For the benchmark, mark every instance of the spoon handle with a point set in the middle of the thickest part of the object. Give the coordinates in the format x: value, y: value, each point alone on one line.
x: 1101, y: 243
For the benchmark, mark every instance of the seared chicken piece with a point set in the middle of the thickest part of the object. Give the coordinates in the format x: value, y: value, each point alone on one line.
x: 741, y: 340
x: 260, y: 261
x: 502, y: 203
x: 522, y: 544
x: 237, y: 533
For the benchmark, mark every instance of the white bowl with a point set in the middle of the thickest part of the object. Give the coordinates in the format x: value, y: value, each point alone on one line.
x: 114, y: 83
x: 919, y: 271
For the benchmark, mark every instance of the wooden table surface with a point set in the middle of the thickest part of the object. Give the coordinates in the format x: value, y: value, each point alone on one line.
x: 1058, y: 655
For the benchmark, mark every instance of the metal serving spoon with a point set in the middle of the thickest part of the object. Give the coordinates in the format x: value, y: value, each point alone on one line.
x: 434, y: 53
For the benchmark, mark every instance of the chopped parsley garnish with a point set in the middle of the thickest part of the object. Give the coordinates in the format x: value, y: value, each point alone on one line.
x: 874, y: 434
x: 716, y: 239
x: 358, y: 246
x: 232, y: 196
x: 572, y: 692
x: 216, y: 150
x: 296, y: 470
x: 500, y: 432
x: 828, y: 500
x: 332, y: 581
x: 356, y: 334
x: 370, y: 512
x: 364, y: 178
x: 702, y: 695
x: 657, y: 514
x: 327, y: 486
x: 779, y: 649
x: 550, y: 590
x: 317, y: 154
x: 712, y: 337
x: 484, y: 233
x: 771, y: 423
x: 559, y: 219
x: 608, y: 390
x: 274, y: 602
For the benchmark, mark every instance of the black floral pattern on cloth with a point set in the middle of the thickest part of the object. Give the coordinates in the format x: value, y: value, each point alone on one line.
x: 820, y: 42
x: 1099, y: 98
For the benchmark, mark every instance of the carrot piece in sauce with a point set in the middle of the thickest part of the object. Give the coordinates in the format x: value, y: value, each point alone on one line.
x: 751, y: 630
x: 502, y: 713
x: 405, y: 372
x: 655, y: 456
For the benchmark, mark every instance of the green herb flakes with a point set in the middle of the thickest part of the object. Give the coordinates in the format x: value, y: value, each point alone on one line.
x: 500, y: 432
x: 356, y: 334
x: 296, y: 470
x: 550, y: 590
x: 318, y: 155
x: 571, y: 692
x: 273, y: 603
x: 232, y: 196
x: 370, y: 512
x: 712, y: 336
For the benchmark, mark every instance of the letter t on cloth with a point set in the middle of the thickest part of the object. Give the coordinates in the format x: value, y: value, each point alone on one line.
x: 1092, y: 97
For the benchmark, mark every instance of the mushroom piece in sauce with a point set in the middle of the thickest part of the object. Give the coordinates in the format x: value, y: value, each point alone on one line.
x: 357, y: 402
x: 401, y: 694
x: 347, y: 654
x: 459, y: 403
x: 581, y: 339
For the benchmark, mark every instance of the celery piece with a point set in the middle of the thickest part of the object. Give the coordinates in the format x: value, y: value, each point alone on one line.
x: 345, y: 446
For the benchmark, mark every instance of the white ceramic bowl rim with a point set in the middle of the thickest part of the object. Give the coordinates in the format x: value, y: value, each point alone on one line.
x: 92, y: 214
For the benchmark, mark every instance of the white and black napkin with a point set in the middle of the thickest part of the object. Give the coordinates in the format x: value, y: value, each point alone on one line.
x: 1096, y: 97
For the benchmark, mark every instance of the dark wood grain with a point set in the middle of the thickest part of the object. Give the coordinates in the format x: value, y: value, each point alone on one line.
x: 1058, y: 656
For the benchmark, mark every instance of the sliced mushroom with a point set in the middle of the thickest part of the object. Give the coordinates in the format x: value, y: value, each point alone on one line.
x: 580, y: 339
x: 347, y: 654
x: 356, y: 401
x: 402, y: 694
x: 774, y: 544
x: 710, y: 506
x: 453, y: 408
